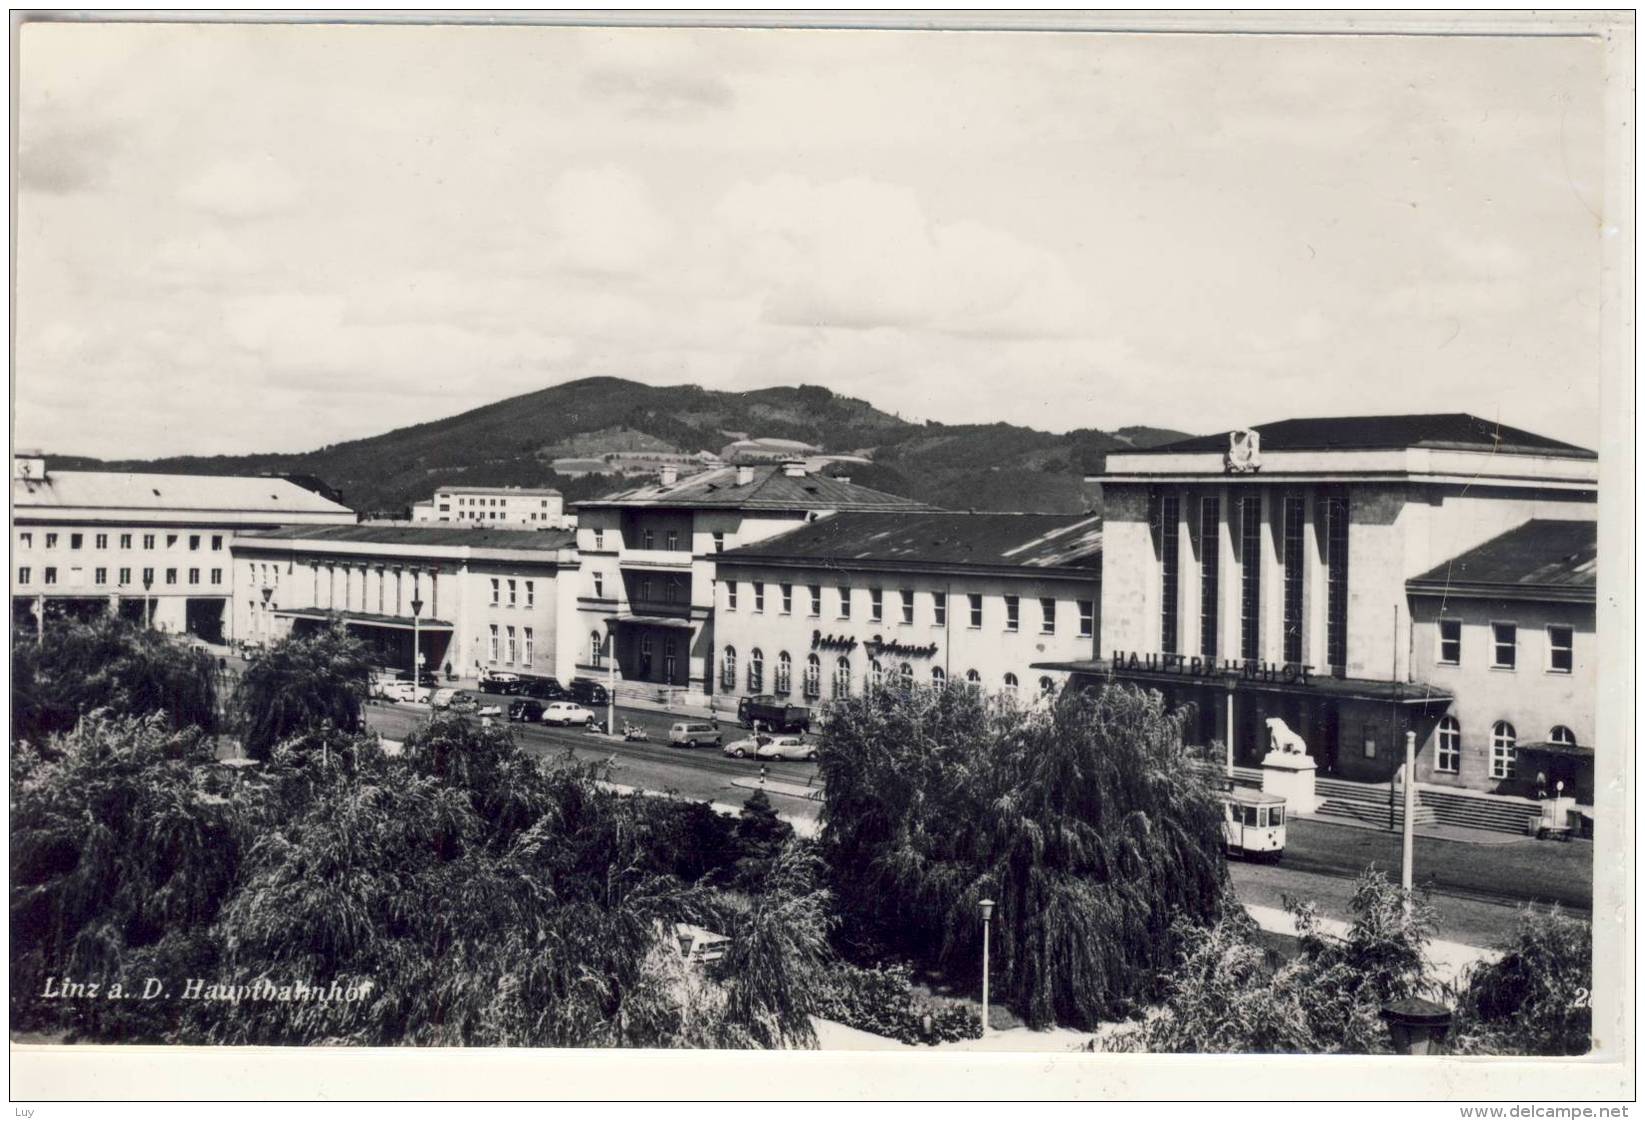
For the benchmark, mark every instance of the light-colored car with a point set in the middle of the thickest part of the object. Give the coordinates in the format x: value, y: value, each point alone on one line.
x: 745, y: 747
x: 564, y: 712
x: 693, y: 733
x: 785, y: 747
x: 489, y: 710
x: 408, y: 692
x: 443, y: 697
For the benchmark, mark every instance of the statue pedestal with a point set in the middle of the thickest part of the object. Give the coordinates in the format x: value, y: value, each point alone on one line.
x: 1292, y: 778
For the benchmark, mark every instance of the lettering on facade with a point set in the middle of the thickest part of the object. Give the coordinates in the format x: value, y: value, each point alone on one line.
x: 877, y: 646
x: 1291, y: 673
x: 820, y: 641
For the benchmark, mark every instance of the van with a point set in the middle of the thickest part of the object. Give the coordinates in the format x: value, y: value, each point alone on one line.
x: 693, y: 733
x: 773, y: 714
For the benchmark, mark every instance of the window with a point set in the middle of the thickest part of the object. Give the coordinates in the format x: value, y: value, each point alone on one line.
x: 728, y: 669
x: 1166, y: 516
x: 648, y: 539
x: 1088, y: 619
x: 148, y: 540
x: 124, y: 576
x: 719, y: 540
x: 1504, y: 645
x: 670, y: 659
x: 759, y: 596
x: 788, y: 598
x: 671, y: 540
x: 845, y: 603
x: 1561, y: 735
x: 645, y: 655
x: 1370, y: 742
x: 1448, y: 746
x: 670, y: 589
x: 1011, y: 613
x: 99, y: 576
x: 1250, y: 577
x: 513, y: 594
x: 974, y: 602
x: 599, y: 538
x: 1291, y: 560
x: 1047, y: 687
x: 1011, y: 684
x: 125, y: 541
x: 905, y: 678
x: 907, y: 597
x: 25, y: 540
x: 494, y: 642
x: 217, y: 542
x: 531, y: 593
x: 785, y: 673
x: 596, y: 650
x: 530, y: 645
x: 1210, y: 562
x: 51, y: 575
x: 816, y: 600
x: 876, y: 675
x: 813, y: 676
x: 216, y: 576
x: 938, y: 677
x: 513, y: 648
x: 1503, y: 751
x: 876, y: 605
x: 731, y: 595
x: 171, y: 540
x: 939, y: 609
x: 973, y: 680
x: 51, y: 540
x: 842, y: 677
x: 1048, y: 616
x: 756, y: 670
x: 148, y: 577
x: 75, y: 540
x: 102, y: 541
x: 496, y: 591
x: 23, y: 575
x: 1450, y: 643
x: 1559, y: 650
x: 194, y: 542
x: 171, y: 576
x: 194, y: 576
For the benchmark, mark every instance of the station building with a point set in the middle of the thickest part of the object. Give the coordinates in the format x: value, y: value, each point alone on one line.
x: 147, y: 546
x: 456, y: 601
x: 867, y: 599
x: 496, y: 507
x: 1316, y: 570
x: 649, y: 562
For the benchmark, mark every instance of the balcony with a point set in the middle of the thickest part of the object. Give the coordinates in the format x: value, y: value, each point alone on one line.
x: 665, y: 560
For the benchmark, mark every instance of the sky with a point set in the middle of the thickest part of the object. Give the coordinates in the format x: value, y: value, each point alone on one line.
x: 244, y: 239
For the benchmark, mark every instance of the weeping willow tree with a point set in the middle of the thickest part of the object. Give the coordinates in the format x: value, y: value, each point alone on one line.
x: 1082, y: 820
x: 302, y: 683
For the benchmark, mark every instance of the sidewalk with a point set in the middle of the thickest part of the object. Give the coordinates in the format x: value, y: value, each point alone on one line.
x: 1449, y: 959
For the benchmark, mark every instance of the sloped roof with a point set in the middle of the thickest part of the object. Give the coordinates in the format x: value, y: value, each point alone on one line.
x: 135, y: 491
x: 938, y: 538
x: 769, y: 489
x: 438, y: 535
x: 1540, y: 555
x: 1455, y: 431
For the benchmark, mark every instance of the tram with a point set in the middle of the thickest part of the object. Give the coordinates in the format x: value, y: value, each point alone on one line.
x: 1253, y: 824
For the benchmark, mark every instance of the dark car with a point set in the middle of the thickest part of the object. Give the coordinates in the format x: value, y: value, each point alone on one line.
x: 543, y: 688
x: 526, y: 709
x: 586, y: 692
x: 773, y: 714
x: 507, y: 684
x: 427, y: 677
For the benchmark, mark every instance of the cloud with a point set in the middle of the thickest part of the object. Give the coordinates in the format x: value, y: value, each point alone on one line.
x: 603, y: 220
x: 252, y: 186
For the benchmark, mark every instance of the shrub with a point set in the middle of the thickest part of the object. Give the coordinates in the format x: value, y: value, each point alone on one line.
x: 1534, y: 999
x: 881, y: 999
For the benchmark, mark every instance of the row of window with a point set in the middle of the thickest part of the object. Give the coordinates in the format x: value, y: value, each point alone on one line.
x: 493, y: 516
x: 519, y: 649
x: 513, y: 586
x: 782, y: 682
x: 671, y: 539
x: 196, y: 541
x: 905, y: 606
x: 1558, y: 657
x: 1504, y: 746
x: 100, y: 576
x: 465, y: 500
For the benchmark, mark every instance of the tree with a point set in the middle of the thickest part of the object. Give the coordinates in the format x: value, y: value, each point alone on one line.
x: 302, y: 683
x: 1084, y: 822
x: 107, y: 664
x: 1535, y: 998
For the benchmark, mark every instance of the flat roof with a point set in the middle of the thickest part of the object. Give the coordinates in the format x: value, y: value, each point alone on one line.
x: 768, y: 489
x: 1042, y: 541
x: 479, y: 537
x: 1455, y: 431
x: 506, y: 492
x: 130, y: 490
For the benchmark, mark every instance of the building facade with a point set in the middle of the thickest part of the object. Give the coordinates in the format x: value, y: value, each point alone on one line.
x: 456, y: 601
x: 149, y: 547
x: 858, y: 600
x: 1263, y: 574
x: 648, y: 595
x: 496, y: 507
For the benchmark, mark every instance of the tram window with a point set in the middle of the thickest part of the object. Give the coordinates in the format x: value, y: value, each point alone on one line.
x: 1251, y: 816
x: 1276, y: 816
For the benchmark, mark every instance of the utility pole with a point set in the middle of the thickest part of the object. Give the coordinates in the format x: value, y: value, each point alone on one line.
x: 611, y: 682
x: 1410, y: 813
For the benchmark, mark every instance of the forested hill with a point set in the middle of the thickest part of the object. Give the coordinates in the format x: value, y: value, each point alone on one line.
x: 514, y: 442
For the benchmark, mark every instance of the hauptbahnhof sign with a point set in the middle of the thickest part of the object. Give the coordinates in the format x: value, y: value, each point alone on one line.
x: 1182, y: 665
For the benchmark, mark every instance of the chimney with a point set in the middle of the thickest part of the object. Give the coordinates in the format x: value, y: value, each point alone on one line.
x: 669, y: 474
x: 745, y: 475
x: 794, y: 468
x: 28, y: 465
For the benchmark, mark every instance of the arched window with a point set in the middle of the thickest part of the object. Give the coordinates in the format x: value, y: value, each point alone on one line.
x: 728, y: 669
x: 1448, y: 746
x: 756, y: 670
x: 596, y: 649
x: 906, y: 673
x: 938, y: 677
x: 842, y: 677
x: 670, y: 662
x: 785, y: 673
x: 1047, y: 687
x: 1562, y: 735
x: 1011, y: 684
x: 876, y: 675
x: 813, y: 676
x: 645, y: 656
x: 1503, y: 741
x: 973, y: 680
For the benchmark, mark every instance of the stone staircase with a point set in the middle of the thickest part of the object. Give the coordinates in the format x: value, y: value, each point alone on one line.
x: 1368, y: 803
x: 1480, y: 811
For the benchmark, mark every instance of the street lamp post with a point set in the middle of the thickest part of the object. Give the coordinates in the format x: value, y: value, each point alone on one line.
x: 416, y: 652
x: 1228, y: 748
x: 148, y: 582
x: 987, y: 908
x: 611, y: 682
x: 1410, y: 813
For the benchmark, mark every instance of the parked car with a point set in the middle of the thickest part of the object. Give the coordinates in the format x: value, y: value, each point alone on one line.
x: 745, y: 747
x: 587, y: 692
x: 486, y: 708
x: 543, y: 688
x: 773, y: 714
x: 380, y: 684
x: 408, y: 692
x: 427, y: 677
x: 496, y: 681
x: 443, y: 697
x: 694, y: 733
x: 465, y: 704
x: 526, y: 709
x: 785, y: 747
x: 564, y: 712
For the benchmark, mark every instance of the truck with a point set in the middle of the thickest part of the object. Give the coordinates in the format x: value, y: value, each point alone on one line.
x: 773, y: 713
